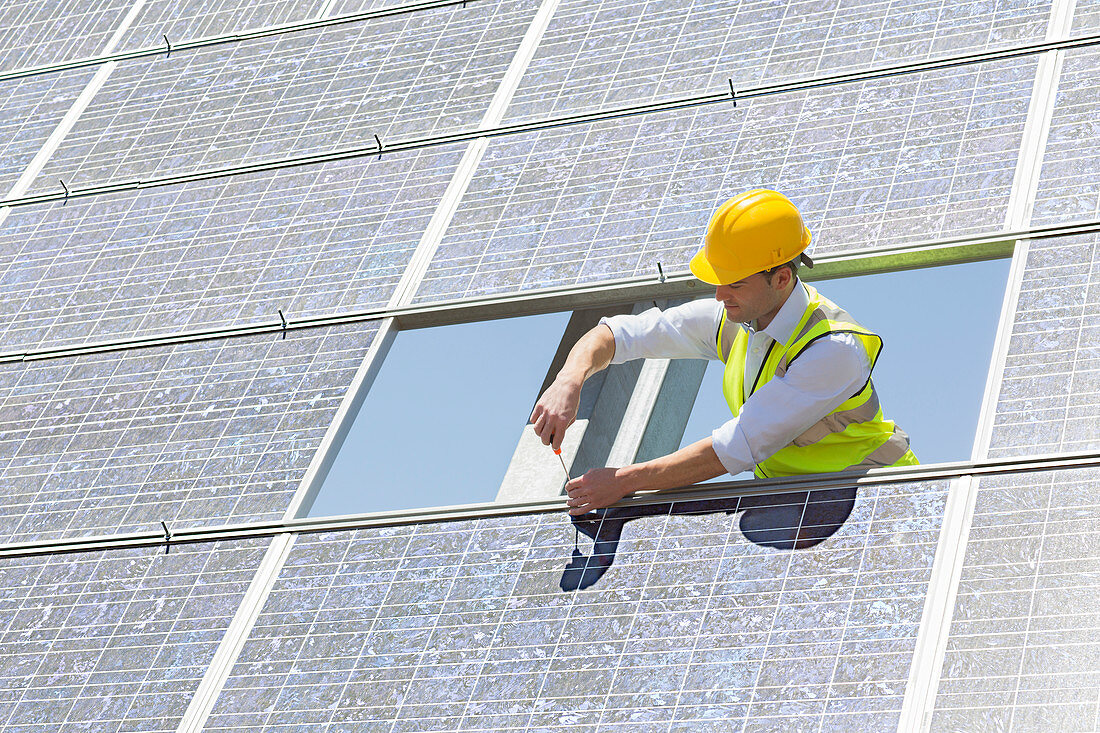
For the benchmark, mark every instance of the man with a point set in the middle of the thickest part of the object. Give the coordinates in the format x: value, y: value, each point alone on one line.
x: 797, y: 376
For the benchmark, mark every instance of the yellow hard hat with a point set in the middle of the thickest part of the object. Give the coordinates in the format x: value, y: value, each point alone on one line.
x: 750, y: 233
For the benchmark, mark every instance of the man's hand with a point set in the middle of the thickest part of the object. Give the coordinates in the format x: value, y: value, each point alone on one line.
x: 599, y: 488
x: 556, y: 410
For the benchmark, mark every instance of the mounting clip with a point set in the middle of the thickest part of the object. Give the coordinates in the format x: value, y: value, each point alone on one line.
x: 168, y: 44
x: 167, y: 537
x: 283, y: 319
x: 733, y: 93
x: 66, y: 191
x: 379, y: 141
x: 660, y: 271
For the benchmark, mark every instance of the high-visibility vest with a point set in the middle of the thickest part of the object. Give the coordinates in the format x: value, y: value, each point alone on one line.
x: 853, y: 436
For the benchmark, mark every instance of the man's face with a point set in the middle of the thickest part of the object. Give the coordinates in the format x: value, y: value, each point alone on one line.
x: 752, y: 298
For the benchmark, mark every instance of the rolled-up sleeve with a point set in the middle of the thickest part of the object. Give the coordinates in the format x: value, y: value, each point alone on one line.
x: 827, y: 373
x: 682, y: 332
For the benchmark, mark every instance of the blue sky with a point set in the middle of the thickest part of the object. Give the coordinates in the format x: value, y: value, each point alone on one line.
x: 440, y: 423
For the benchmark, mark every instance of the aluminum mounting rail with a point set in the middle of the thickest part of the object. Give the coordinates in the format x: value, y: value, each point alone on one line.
x: 720, y: 490
x: 466, y: 136
x: 229, y: 38
x: 969, y: 248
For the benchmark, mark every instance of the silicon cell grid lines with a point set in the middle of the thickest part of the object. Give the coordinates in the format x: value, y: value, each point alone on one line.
x: 186, y: 20
x: 114, y: 640
x: 701, y: 618
x: 294, y: 94
x: 193, y: 434
x: 1069, y: 189
x: 30, y: 110
x: 873, y: 164
x: 1022, y: 652
x: 42, y: 32
x: 216, y: 253
x: 621, y: 53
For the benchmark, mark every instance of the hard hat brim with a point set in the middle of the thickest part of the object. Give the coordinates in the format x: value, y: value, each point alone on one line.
x: 702, y: 268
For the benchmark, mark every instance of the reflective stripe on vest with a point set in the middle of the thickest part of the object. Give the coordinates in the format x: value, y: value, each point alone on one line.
x: 854, y: 435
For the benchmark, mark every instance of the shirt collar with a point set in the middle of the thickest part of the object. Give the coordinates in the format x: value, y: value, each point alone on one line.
x: 786, y: 320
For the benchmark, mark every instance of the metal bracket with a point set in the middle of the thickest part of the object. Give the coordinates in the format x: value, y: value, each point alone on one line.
x: 66, y: 191
x: 168, y: 44
x: 167, y: 537
x: 283, y: 319
x: 733, y: 93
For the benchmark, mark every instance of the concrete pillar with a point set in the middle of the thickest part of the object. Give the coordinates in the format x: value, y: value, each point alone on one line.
x: 628, y: 412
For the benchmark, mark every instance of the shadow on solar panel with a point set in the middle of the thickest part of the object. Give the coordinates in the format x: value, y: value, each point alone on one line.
x: 793, y: 521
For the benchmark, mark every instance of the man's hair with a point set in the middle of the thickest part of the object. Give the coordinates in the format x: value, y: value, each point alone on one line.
x: 792, y: 266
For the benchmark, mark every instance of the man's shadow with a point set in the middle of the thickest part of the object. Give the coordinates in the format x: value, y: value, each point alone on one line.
x: 790, y: 521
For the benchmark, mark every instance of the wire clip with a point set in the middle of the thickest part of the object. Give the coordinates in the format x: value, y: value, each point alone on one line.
x: 379, y: 141
x: 660, y: 271
x: 283, y: 319
x: 167, y: 537
x: 733, y: 93
x: 169, y: 45
x: 66, y: 191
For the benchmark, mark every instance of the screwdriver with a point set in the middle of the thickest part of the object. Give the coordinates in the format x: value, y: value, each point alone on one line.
x: 557, y: 452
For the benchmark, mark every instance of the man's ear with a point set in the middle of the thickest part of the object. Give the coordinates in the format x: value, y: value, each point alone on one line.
x: 782, y: 278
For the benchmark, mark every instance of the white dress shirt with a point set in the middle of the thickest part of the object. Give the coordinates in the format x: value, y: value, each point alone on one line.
x: 827, y: 373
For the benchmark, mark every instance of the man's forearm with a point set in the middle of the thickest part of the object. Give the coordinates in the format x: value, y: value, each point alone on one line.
x: 602, y: 487
x: 592, y: 353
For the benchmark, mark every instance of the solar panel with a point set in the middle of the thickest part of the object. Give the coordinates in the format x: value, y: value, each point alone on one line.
x: 1069, y: 189
x: 1050, y: 393
x: 41, y: 32
x: 619, y: 53
x: 202, y: 433
x: 30, y: 110
x: 1086, y: 17
x: 1022, y: 649
x: 187, y: 20
x: 873, y: 164
x: 401, y: 77
x: 216, y: 253
x: 115, y: 640
x: 704, y: 618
